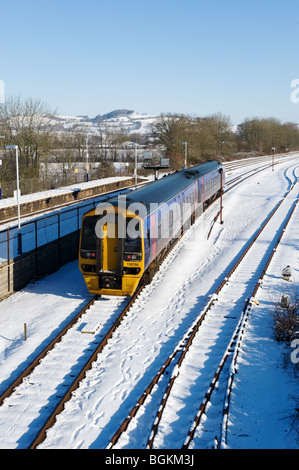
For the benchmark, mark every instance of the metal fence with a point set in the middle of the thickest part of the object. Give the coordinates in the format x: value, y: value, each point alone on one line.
x: 48, y: 228
x: 41, y: 231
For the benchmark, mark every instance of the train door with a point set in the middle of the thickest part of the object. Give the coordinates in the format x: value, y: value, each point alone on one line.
x: 109, y: 246
x: 153, y: 236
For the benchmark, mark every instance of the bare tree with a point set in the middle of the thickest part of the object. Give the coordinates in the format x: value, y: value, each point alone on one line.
x: 261, y: 135
x: 207, y: 137
x: 30, y: 125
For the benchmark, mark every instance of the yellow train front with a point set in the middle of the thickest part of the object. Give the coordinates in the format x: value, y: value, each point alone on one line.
x: 125, y: 239
x: 110, y: 255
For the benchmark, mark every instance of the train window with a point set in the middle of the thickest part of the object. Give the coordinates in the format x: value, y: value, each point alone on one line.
x: 159, y: 225
x: 170, y: 220
x: 88, y: 233
x: 170, y: 228
x: 133, y: 239
x: 165, y: 223
x: 148, y: 239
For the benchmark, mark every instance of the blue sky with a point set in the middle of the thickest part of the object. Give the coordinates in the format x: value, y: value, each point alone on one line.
x: 195, y: 57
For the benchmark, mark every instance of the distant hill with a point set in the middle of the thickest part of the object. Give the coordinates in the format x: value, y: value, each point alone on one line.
x: 113, y: 114
x: 119, y: 120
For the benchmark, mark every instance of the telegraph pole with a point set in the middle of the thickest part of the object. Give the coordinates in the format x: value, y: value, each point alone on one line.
x: 221, y: 193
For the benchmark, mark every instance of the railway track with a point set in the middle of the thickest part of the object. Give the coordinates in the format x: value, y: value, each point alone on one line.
x: 228, y: 311
x: 230, y: 357
x: 260, y: 168
x: 9, y: 390
x: 235, y: 291
x: 100, y: 317
x: 28, y: 383
x: 41, y: 389
x: 232, y: 183
x: 236, y: 164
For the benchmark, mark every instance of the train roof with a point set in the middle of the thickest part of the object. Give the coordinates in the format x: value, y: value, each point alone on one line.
x: 167, y: 187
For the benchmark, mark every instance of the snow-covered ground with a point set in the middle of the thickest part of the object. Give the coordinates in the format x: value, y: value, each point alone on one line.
x: 261, y: 401
x: 264, y: 391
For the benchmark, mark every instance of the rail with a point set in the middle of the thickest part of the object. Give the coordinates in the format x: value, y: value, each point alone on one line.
x: 186, y: 342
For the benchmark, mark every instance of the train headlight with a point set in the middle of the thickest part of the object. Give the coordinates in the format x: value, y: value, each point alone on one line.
x: 88, y: 254
x: 132, y: 256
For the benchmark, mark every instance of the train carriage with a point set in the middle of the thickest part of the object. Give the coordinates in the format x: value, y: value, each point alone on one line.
x: 123, y: 240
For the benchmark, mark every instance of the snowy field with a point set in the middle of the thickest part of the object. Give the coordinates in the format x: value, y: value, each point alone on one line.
x: 262, y: 395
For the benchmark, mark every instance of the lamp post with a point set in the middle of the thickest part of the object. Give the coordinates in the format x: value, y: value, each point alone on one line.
x: 136, y: 146
x: 16, y: 148
x: 1, y: 137
x: 87, y: 158
x: 0, y: 179
x: 185, y: 143
x: 221, y: 194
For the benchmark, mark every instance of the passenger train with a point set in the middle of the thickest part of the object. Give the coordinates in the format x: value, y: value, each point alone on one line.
x: 123, y: 240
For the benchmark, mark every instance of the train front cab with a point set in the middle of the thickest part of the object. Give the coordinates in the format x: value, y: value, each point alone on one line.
x: 113, y: 263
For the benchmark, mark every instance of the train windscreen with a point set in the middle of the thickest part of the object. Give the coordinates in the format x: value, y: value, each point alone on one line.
x: 133, y: 239
x: 88, y: 233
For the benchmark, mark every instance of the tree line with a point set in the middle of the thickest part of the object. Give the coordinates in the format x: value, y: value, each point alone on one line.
x: 32, y: 126
x: 214, y: 137
x: 48, y: 157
